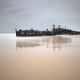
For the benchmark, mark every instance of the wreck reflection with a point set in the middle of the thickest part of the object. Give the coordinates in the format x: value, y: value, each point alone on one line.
x: 27, y: 43
x: 57, y: 42
x: 54, y: 42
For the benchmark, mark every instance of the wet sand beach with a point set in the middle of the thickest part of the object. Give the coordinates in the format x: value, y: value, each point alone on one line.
x: 39, y: 58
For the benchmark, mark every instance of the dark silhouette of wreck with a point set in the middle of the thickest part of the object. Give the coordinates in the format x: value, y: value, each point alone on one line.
x: 54, y: 31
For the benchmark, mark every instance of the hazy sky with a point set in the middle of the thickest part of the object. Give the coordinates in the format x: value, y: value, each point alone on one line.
x: 38, y: 14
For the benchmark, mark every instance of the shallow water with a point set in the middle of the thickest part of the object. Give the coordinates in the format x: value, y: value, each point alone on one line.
x: 39, y: 58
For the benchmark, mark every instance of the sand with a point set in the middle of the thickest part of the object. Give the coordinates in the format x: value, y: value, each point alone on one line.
x: 39, y: 58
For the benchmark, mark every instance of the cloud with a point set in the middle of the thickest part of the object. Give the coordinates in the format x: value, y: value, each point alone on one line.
x: 33, y: 13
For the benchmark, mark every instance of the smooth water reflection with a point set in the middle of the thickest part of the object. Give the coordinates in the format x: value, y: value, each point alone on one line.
x: 39, y: 58
x: 53, y: 41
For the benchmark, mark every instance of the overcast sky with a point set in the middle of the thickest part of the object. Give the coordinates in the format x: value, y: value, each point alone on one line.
x: 38, y: 14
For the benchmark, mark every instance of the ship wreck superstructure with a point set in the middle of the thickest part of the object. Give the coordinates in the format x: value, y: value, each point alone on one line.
x: 54, y: 31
